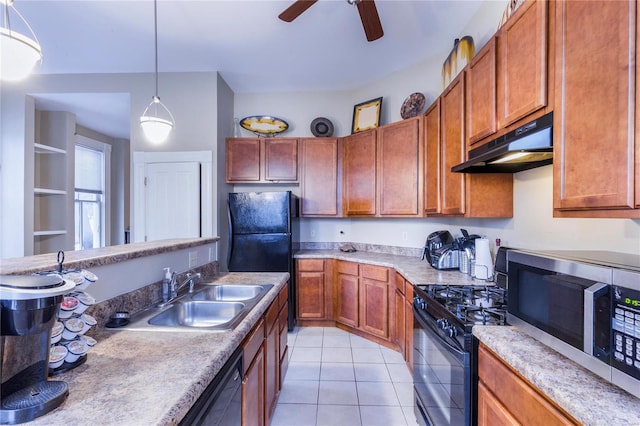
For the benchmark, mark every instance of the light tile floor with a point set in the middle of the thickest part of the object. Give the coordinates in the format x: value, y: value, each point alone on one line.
x: 336, y: 378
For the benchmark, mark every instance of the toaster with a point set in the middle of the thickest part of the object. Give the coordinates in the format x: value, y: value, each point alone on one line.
x: 441, y: 250
x: 445, y: 258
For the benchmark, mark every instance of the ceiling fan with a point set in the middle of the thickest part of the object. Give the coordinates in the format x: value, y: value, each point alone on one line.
x: 366, y: 8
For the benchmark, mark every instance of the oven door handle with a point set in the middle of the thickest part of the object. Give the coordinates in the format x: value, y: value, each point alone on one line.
x: 427, y: 321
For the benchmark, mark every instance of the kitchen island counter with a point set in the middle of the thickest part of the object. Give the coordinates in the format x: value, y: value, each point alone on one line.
x: 152, y: 377
x: 588, y: 398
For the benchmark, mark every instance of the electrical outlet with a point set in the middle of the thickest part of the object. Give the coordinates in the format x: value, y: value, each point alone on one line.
x: 211, y: 254
x: 405, y: 236
x: 193, y: 259
x: 313, y: 233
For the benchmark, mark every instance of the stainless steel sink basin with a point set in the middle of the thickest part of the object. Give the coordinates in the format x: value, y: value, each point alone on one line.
x: 229, y: 292
x: 198, y: 314
x: 211, y: 307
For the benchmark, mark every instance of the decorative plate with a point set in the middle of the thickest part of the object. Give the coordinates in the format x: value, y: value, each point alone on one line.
x: 412, y: 106
x: 322, y: 127
x: 264, y: 125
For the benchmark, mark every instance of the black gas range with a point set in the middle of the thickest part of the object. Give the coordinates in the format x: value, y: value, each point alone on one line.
x: 444, y: 364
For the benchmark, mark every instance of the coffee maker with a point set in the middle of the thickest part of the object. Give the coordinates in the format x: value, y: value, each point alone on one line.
x: 29, y: 305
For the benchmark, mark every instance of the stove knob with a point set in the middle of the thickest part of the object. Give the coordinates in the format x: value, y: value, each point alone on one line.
x: 451, y: 331
x: 442, y: 324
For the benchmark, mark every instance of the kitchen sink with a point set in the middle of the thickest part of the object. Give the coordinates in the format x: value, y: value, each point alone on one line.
x: 198, y: 314
x: 229, y: 292
x: 210, y: 307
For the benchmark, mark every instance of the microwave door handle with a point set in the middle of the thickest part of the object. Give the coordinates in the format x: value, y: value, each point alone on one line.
x: 590, y: 295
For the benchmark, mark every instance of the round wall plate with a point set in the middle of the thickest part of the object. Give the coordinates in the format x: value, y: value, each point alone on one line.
x: 322, y: 127
x: 264, y: 125
x: 412, y: 106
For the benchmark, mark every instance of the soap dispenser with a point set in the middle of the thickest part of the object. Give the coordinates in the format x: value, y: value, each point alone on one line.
x: 166, y: 282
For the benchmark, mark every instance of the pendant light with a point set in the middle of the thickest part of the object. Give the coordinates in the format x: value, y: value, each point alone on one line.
x: 19, y: 53
x: 155, y: 127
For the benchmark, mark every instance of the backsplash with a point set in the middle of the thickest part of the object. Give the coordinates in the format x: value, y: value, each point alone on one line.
x: 371, y: 248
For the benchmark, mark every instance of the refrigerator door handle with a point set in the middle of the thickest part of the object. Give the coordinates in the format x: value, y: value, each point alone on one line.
x: 230, y: 236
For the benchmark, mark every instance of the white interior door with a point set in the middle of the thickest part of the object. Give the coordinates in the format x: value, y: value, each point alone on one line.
x: 172, y: 200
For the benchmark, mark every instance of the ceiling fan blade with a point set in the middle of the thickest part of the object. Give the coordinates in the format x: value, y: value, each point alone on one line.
x: 370, y: 19
x: 296, y: 9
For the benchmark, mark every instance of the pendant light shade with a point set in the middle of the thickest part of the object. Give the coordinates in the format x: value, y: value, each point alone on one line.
x: 156, y: 120
x: 18, y: 53
x: 155, y: 128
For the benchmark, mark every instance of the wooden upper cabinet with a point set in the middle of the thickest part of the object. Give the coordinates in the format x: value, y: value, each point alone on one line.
x: 522, y: 62
x: 432, y: 159
x: 399, y: 168
x: 594, y: 141
x: 281, y: 159
x: 243, y: 160
x: 452, y: 149
x: 319, y: 177
x: 260, y: 160
x: 359, y: 174
x: 481, y: 94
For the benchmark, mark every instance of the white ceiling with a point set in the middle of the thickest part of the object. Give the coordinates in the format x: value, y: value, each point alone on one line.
x: 253, y: 50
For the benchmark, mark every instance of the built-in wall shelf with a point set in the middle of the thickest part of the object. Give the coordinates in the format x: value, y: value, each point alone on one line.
x: 47, y: 149
x: 50, y: 232
x: 47, y: 191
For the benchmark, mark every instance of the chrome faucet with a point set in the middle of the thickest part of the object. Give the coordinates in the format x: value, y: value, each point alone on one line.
x: 174, y: 287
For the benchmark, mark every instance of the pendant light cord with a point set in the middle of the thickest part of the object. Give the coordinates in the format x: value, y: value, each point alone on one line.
x: 155, y: 29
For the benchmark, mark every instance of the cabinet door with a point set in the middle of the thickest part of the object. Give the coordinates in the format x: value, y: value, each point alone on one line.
x: 272, y: 364
x: 243, y: 160
x: 490, y: 411
x: 374, y: 300
x: 399, y: 168
x: 281, y: 159
x: 319, y: 177
x: 593, y: 129
x: 432, y: 159
x: 453, y: 148
x: 359, y: 178
x: 346, y: 288
x: 408, y: 323
x: 399, y: 327
x: 253, y: 402
x: 481, y: 94
x: 311, y: 295
x: 522, y: 62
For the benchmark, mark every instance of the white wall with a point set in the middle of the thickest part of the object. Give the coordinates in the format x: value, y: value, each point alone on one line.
x: 191, y: 97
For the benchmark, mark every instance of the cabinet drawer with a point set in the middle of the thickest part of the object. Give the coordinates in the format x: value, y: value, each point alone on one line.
x: 378, y: 273
x: 271, y: 316
x: 348, y: 268
x: 283, y: 296
x: 252, y: 345
x: 310, y: 265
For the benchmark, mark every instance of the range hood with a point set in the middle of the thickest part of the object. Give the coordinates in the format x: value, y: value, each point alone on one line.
x: 521, y: 149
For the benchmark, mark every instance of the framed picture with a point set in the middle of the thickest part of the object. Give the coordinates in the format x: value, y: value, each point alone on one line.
x: 366, y: 115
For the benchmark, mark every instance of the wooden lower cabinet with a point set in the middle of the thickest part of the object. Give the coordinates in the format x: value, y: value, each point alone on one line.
x: 265, y: 361
x: 374, y: 302
x: 253, y: 382
x: 347, y: 290
x: 408, y: 324
x: 314, y: 286
x: 505, y: 398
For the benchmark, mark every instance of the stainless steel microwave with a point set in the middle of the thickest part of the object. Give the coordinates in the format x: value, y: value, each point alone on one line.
x: 574, y: 303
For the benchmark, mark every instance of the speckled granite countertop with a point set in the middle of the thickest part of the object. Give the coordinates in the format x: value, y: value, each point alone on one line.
x: 99, y: 256
x: 588, y: 398
x: 411, y: 267
x: 152, y: 378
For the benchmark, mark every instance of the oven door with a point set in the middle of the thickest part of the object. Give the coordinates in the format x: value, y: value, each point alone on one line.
x: 441, y: 375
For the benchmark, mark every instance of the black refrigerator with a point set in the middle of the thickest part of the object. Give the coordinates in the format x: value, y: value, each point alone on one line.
x: 261, y: 229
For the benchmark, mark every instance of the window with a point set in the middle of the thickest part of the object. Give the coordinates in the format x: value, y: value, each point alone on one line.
x: 91, y: 193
